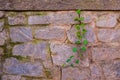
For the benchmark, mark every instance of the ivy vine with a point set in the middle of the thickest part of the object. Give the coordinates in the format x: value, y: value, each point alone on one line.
x: 82, y: 41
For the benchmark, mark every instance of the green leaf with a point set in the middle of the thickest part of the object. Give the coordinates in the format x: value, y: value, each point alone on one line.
x: 83, y: 48
x: 78, y: 11
x: 71, y: 65
x: 77, y: 27
x: 77, y: 42
x: 84, y: 31
x: 81, y: 18
x: 63, y: 65
x: 71, y: 57
x: 78, y: 33
x: 85, y: 42
x: 76, y: 19
x: 77, y: 61
x: 82, y: 25
x: 74, y: 49
x: 68, y: 60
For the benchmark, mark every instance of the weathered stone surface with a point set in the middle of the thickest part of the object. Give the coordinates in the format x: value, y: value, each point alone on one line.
x: 18, y: 19
x: 88, y: 16
x: 109, y: 20
x: 112, y: 70
x: 1, y: 14
x: 35, y: 50
x: 90, y: 35
x: 111, y: 35
x: 96, y: 72
x: 42, y: 19
x: 21, y: 34
x: 1, y: 26
x: 11, y: 77
x: 13, y: 66
x: 3, y: 37
x: 75, y: 74
x: 61, y: 17
x: 50, y: 34
x: 105, y: 53
x: 59, y: 5
x: 61, y: 52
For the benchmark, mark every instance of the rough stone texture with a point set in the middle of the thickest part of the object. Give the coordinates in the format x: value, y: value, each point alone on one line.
x: 35, y: 50
x: 50, y: 34
x: 13, y: 66
x: 11, y: 77
x: 1, y: 14
x: 18, y: 19
x: 106, y: 53
x: 90, y: 36
x: 88, y: 17
x: 112, y: 70
x: 1, y: 25
x: 59, y: 5
x: 3, y: 37
x: 63, y: 17
x: 96, y: 73
x: 109, y: 20
x: 61, y: 52
x: 112, y: 35
x: 75, y: 74
x: 21, y: 34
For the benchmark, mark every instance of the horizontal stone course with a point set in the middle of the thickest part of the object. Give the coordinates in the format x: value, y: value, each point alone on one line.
x: 59, y: 5
x: 63, y: 17
x: 14, y: 66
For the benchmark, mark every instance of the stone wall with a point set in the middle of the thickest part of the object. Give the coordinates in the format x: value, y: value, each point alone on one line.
x: 35, y: 44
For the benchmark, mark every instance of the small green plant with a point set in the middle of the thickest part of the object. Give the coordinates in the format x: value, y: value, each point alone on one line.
x: 82, y: 41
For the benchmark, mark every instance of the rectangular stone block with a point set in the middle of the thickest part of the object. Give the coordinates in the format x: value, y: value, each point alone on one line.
x: 105, y: 53
x: 36, y: 50
x: 50, y: 34
x: 16, y: 67
x: 18, y: 19
x: 61, y: 52
x: 109, y: 35
x: 61, y: 17
x: 21, y: 34
x: 108, y: 20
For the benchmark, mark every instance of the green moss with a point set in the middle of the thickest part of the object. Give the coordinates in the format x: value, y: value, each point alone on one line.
x: 48, y: 74
x: 36, y: 13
